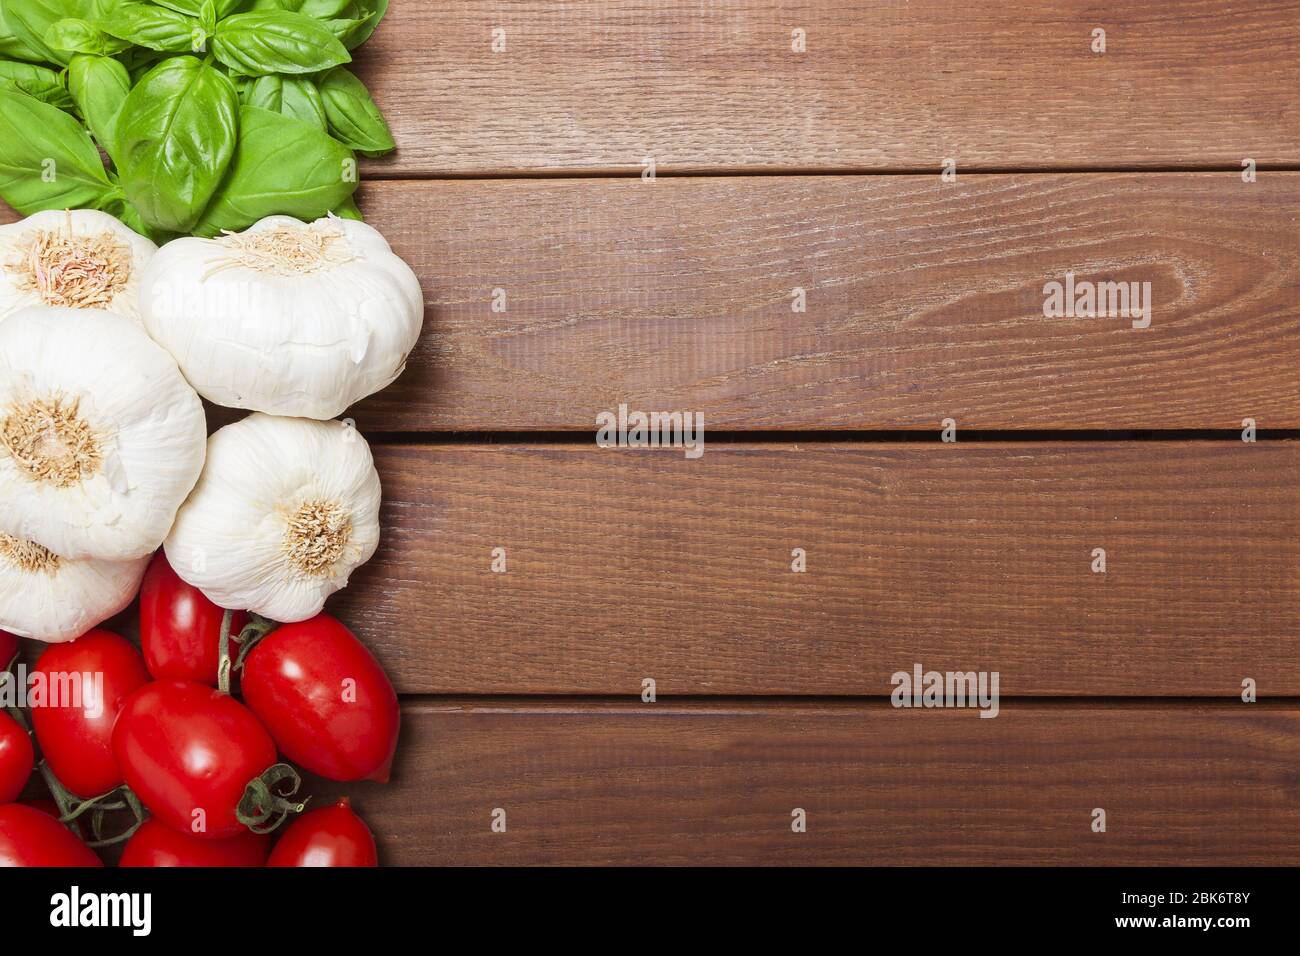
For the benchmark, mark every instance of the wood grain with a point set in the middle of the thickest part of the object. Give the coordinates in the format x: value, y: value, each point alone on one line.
x: 627, y: 564
x: 924, y: 301
x: 716, y: 784
x: 602, y: 85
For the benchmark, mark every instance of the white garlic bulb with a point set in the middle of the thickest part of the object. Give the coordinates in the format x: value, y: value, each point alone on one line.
x: 286, y: 508
x: 75, y: 258
x: 101, y: 439
x: 54, y: 599
x: 288, y: 318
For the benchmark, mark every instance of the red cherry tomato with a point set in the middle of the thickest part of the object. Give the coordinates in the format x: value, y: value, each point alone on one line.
x: 29, y: 837
x: 16, y: 758
x: 76, y: 732
x: 330, y: 836
x: 180, y: 629
x: 188, y: 752
x: 8, y: 648
x: 157, y: 845
x: 325, y: 700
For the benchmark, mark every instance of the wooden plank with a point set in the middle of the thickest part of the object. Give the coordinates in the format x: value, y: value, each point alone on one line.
x: 714, y: 783
x: 586, y: 85
x: 924, y: 301
x: 632, y: 564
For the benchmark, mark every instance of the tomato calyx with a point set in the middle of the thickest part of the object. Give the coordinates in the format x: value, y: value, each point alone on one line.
x: 267, y: 802
x: 256, y: 629
x: 73, y: 808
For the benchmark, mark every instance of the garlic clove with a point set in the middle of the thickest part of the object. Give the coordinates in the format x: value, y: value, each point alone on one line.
x: 284, y: 512
x: 54, y: 599
x: 101, y: 439
x: 288, y: 318
x: 74, y: 258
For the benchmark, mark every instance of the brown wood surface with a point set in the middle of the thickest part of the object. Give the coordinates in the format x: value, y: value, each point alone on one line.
x: 602, y: 85
x: 924, y: 301
x: 626, y: 564
x: 716, y: 783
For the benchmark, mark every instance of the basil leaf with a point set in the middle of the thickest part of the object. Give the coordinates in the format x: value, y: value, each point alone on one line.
x: 99, y: 86
x: 354, y: 119
x: 276, y: 41
x: 155, y: 28
x: 282, y: 166
x: 194, y: 8
x: 37, y: 81
x: 176, y: 135
x: 12, y: 48
x: 348, y: 210
x: 125, y: 211
x: 365, y: 15
x: 30, y: 19
x: 47, y: 160
x: 294, y: 96
x: 77, y: 36
x: 320, y: 9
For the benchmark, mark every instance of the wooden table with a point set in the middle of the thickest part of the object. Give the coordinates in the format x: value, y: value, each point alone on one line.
x: 522, y: 176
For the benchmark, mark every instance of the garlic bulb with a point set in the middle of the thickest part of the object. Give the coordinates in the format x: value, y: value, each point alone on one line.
x: 286, y: 508
x: 55, y: 599
x: 287, y: 318
x: 77, y: 258
x: 101, y: 439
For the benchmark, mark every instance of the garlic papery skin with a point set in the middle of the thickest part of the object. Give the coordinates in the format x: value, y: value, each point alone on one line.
x: 101, y: 439
x: 285, y: 510
x: 74, y: 258
x: 54, y: 599
x: 289, y: 318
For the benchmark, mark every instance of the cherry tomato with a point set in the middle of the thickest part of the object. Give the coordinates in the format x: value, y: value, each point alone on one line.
x: 29, y: 837
x: 16, y: 758
x: 325, y: 700
x: 188, y: 752
x: 157, y: 845
x: 180, y: 629
x: 330, y: 836
x: 76, y: 734
x: 8, y: 648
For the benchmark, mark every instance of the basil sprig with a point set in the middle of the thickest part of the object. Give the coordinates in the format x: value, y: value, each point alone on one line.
x: 210, y: 113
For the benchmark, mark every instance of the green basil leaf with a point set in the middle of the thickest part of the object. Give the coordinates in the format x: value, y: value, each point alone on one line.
x: 155, y: 28
x: 47, y: 160
x: 348, y: 210
x: 71, y: 35
x: 118, y: 206
x: 294, y: 96
x: 194, y: 8
x: 175, y: 136
x: 276, y: 41
x: 320, y: 9
x: 354, y: 119
x: 365, y: 16
x: 12, y: 48
x: 282, y: 166
x: 99, y: 85
x: 30, y: 19
x: 38, y: 81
